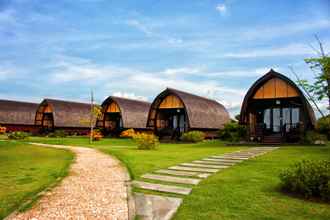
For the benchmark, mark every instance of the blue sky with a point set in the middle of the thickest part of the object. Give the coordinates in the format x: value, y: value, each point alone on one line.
x: 64, y: 48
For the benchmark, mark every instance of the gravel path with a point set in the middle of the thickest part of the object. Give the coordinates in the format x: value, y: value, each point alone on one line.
x: 95, y: 189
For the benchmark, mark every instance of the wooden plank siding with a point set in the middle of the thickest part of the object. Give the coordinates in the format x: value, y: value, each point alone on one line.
x: 275, y: 88
x: 171, y: 101
x: 113, y: 107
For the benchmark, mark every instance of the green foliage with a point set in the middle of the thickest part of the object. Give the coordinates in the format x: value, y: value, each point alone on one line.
x: 193, y: 136
x: 313, y: 137
x: 308, y: 178
x: 320, y: 88
x: 146, y: 141
x: 323, y: 126
x: 58, y: 134
x: 233, y: 132
x: 18, y: 135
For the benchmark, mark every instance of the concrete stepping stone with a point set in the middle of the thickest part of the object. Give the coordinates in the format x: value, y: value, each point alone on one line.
x: 184, y: 173
x: 230, y: 157
x: 203, y: 165
x: 214, y: 162
x: 196, y: 169
x: 221, y: 159
x: 150, y: 207
x: 162, y: 188
x: 172, y: 179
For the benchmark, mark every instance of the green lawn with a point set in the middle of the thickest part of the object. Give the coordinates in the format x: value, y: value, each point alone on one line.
x: 250, y: 191
x: 26, y: 170
x: 246, y: 191
x: 142, y: 161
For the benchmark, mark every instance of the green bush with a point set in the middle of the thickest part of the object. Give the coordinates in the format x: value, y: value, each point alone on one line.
x: 193, y: 136
x: 58, y: 134
x: 308, y: 179
x: 323, y: 126
x: 312, y: 137
x: 18, y: 135
x: 146, y: 141
x: 233, y: 132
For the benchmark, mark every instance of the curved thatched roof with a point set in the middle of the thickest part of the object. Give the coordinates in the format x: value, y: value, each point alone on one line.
x: 67, y: 113
x: 15, y: 112
x: 134, y: 113
x: 201, y: 112
x: 273, y: 74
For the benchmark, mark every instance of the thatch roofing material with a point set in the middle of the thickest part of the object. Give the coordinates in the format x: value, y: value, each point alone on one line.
x: 268, y: 76
x: 134, y: 113
x: 69, y: 114
x: 203, y: 113
x: 16, y: 112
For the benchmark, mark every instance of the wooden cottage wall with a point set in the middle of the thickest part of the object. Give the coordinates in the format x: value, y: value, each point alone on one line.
x: 275, y: 88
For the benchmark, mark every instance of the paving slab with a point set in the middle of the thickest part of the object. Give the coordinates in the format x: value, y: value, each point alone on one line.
x: 215, y: 158
x: 151, y: 207
x: 213, y: 162
x: 162, y: 187
x: 184, y: 173
x: 203, y: 165
x: 172, y: 179
x: 196, y: 169
x: 230, y: 157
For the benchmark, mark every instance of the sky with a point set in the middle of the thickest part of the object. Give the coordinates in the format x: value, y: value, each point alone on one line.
x: 65, y: 48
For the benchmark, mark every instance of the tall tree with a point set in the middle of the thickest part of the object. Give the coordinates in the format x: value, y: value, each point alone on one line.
x: 319, y: 89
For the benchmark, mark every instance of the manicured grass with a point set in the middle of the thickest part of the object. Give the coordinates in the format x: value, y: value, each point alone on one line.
x: 26, y: 170
x: 250, y: 190
x: 142, y: 161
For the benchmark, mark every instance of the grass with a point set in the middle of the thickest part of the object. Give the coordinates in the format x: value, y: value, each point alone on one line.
x: 249, y: 190
x: 26, y: 170
x: 140, y: 162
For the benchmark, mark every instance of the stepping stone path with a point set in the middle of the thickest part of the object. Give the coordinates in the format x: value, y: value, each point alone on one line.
x: 149, y: 207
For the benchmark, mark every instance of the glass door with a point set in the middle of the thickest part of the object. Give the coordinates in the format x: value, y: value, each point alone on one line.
x: 277, y: 120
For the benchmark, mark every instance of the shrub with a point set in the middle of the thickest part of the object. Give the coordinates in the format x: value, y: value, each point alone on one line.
x: 193, y: 136
x: 2, y: 130
x: 97, y: 135
x: 323, y: 126
x: 58, y: 134
x: 129, y: 133
x: 146, y: 141
x: 233, y: 132
x: 18, y: 135
x: 308, y: 178
x: 312, y: 137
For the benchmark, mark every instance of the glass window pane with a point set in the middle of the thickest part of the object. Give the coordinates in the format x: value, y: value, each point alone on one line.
x: 267, y: 118
x: 295, y: 115
x: 286, y: 118
x: 276, y: 120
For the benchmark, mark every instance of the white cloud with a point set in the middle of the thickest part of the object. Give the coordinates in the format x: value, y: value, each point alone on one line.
x: 131, y: 95
x: 149, y: 31
x: 272, y: 31
x: 288, y: 50
x: 221, y: 8
x: 182, y: 70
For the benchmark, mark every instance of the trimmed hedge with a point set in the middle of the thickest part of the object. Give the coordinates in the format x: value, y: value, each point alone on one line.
x: 308, y: 179
x: 146, y: 141
x: 193, y: 136
x: 233, y: 132
x: 323, y: 126
x: 18, y: 135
